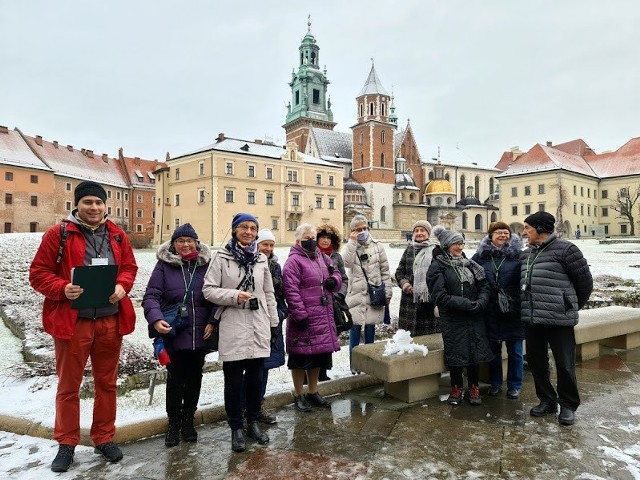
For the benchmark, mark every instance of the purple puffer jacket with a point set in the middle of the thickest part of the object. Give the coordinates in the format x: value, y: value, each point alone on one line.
x: 303, y: 278
x: 166, y: 287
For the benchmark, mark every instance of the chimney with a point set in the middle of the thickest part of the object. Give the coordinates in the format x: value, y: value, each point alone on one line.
x: 39, y: 140
x: 55, y: 143
x: 167, y: 157
x: 70, y: 148
x: 120, y: 153
x: 105, y: 158
x: 259, y: 142
x: 220, y: 137
x: 90, y: 153
x: 3, y: 129
x: 136, y: 160
x: 549, y: 143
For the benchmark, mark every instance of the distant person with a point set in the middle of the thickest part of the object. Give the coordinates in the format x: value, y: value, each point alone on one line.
x: 309, y: 280
x: 499, y: 255
x: 555, y: 283
x: 89, y: 239
x: 182, y: 263
x: 367, y: 262
x: 459, y: 290
x: 578, y: 234
x: 416, y: 313
x: 239, y: 282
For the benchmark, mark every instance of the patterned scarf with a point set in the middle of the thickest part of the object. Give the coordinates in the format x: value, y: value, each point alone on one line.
x: 423, y: 252
x: 86, y: 225
x: 467, y: 270
x: 247, y: 258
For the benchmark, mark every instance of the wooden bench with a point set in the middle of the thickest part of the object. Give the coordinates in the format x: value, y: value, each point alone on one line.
x: 614, y: 326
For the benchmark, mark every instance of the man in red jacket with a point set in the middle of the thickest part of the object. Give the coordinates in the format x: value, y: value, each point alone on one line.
x: 86, y: 238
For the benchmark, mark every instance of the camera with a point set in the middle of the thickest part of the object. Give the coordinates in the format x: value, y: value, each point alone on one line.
x: 253, y: 304
x: 364, y: 257
x: 184, y: 313
x: 324, y: 300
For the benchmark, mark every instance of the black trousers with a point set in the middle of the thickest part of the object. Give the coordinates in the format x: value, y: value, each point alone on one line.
x: 184, y: 379
x: 252, y: 370
x: 473, y: 375
x: 563, y: 347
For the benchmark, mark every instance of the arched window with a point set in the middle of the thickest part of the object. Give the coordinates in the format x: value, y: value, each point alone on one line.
x: 412, y: 196
x: 371, y: 108
x: 477, y: 187
x: 428, y: 202
x: 462, y: 186
x: 383, y: 214
x: 361, y: 109
x: 382, y: 109
x: 446, y: 177
x: 382, y: 136
x: 494, y: 217
x: 382, y: 159
x: 430, y: 176
x: 478, y: 223
x: 491, y: 185
x: 464, y: 220
x: 361, y: 139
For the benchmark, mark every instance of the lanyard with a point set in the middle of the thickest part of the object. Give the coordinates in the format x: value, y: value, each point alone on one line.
x: 93, y: 243
x: 527, y: 272
x: 496, y: 270
x: 187, y: 288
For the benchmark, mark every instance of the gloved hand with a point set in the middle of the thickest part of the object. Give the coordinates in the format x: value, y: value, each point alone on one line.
x: 475, y: 307
x: 330, y: 283
x: 274, y: 337
x: 302, y: 324
x: 331, y: 269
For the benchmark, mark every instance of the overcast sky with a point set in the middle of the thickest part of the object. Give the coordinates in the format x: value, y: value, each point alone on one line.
x: 474, y: 77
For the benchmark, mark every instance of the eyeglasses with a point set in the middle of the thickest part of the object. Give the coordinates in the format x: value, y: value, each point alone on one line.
x: 249, y: 228
x: 458, y: 244
x: 185, y: 242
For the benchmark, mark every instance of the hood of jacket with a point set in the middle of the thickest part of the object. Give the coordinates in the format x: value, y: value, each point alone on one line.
x: 333, y: 233
x: 164, y: 254
x: 511, y: 249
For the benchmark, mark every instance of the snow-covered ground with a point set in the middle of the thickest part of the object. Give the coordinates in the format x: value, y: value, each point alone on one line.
x: 34, y: 398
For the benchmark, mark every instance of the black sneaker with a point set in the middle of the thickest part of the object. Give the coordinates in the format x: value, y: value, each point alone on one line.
x: 455, y: 397
x: 63, y: 459
x: 494, y: 391
x: 109, y: 451
x: 301, y: 404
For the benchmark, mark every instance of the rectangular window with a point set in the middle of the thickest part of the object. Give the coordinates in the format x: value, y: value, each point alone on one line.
x: 295, y: 200
x: 67, y: 187
x: 118, y: 211
x: 228, y: 196
x: 293, y: 224
x: 34, y: 201
x: 331, y: 180
x: 292, y: 175
x: 34, y: 178
x: 527, y: 209
x: 67, y: 206
x: 332, y: 204
x: 176, y: 203
x: 269, y: 173
x: 251, y: 198
x: 514, y: 210
x: 8, y: 176
x: 118, y: 195
x: 251, y: 171
x: 108, y: 210
x: 139, y: 213
x: 541, y: 207
x: 541, y: 189
x: 316, y: 96
x: 8, y: 199
x: 33, y: 227
x: 274, y: 224
x: 139, y: 199
x: 527, y: 190
x: 514, y: 191
x: 605, y: 212
x: 588, y: 193
x: 201, y: 195
x: 269, y: 199
x: 177, y: 223
x: 126, y: 197
x: 318, y: 202
x: 201, y: 168
x: 582, y: 191
x: 108, y: 193
x: 575, y: 190
x: 126, y: 213
x: 318, y: 179
x: 139, y: 227
x: 581, y: 209
x: 177, y: 174
x: 7, y: 227
x: 605, y: 194
x: 623, y: 229
x: 575, y: 208
x: 588, y: 210
x: 606, y: 229
x: 229, y: 168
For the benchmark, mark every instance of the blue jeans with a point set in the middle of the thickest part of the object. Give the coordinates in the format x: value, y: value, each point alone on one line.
x: 515, y: 364
x: 354, y: 336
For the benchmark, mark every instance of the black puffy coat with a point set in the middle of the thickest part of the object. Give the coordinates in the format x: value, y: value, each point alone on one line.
x: 502, y: 326
x: 557, y: 283
x: 460, y: 309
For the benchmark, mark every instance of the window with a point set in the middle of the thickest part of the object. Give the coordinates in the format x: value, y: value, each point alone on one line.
x: 527, y: 190
x: 8, y: 199
x: 251, y: 198
x: 541, y: 189
x: 274, y: 224
x: 126, y: 213
x: 383, y: 136
x: 527, y: 209
x: 176, y: 202
x: 126, y: 197
x: 318, y: 202
x: 588, y: 193
x: 297, y: 97
x: 108, y: 210
x: 361, y: 137
x: 201, y: 195
x: 316, y: 96
x: 34, y: 200
x: 292, y: 175
x: 318, y: 179
x: 108, y: 193
x: 588, y: 210
x: 514, y: 191
x: 581, y: 209
x: 251, y: 171
x: 118, y: 211
x: 575, y: 208
x: 605, y: 194
x: 382, y: 159
x: 201, y: 168
x: 332, y: 204
x: 139, y: 213
x: 67, y: 206
x: 7, y: 227
x: 228, y: 196
x: 295, y: 200
x: 623, y: 229
x: 269, y: 173
x: 8, y: 176
x: 269, y: 198
x: 605, y: 212
x: 34, y: 178
x: 139, y: 227
x: 177, y: 222
x: 229, y: 168
x: 361, y: 160
x: 139, y: 199
x: 177, y: 174
x: 118, y: 195
x: 33, y: 227
x: 293, y: 224
x: 331, y: 180
x: 514, y: 210
x: 541, y: 207
x: 582, y: 191
x: 67, y: 187
x: 575, y: 190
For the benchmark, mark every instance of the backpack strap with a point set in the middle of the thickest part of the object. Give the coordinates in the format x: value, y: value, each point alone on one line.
x: 63, y: 238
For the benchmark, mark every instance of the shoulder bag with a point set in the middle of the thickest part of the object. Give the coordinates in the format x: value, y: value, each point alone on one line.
x: 377, y: 294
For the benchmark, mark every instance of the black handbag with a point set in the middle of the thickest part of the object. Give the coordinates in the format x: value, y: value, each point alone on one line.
x: 341, y: 314
x: 211, y: 343
x: 377, y: 295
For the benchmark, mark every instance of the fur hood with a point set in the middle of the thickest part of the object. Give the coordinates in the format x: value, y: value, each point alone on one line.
x: 166, y: 255
x: 509, y: 250
x: 333, y: 232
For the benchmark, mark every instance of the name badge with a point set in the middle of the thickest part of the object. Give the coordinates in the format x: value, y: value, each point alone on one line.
x: 99, y: 261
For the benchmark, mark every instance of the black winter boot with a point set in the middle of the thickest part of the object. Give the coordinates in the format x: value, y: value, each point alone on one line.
x: 238, y: 443
x: 189, y: 433
x: 258, y: 435
x: 172, y: 438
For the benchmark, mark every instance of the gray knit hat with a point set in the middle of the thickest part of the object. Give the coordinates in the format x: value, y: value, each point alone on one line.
x: 447, y: 237
x: 422, y: 223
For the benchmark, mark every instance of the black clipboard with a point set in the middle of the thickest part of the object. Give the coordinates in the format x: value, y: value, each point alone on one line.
x: 98, y: 282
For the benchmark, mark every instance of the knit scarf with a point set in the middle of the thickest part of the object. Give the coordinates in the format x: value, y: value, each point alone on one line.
x: 327, y: 251
x: 467, y: 270
x: 421, y: 264
x: 86, y: 225
x: 247, y: 257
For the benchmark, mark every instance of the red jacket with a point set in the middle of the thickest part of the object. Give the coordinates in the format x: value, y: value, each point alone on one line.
x: 50, y: 278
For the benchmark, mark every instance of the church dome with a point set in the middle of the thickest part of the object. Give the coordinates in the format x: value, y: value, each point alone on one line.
x: 439, y: 186
x: 351, y: 184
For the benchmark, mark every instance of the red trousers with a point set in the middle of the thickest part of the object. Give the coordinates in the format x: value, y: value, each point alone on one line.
x: 100, y: 340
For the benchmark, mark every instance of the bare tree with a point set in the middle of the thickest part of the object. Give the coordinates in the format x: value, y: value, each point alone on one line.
x: 624, y: 203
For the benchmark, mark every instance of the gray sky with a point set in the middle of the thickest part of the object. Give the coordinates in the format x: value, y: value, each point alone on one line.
x: 154, y: 75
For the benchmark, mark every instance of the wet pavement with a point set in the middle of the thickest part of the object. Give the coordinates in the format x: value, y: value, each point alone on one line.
x: 366, y: 434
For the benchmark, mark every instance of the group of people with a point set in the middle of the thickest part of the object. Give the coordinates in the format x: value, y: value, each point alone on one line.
x: 240, y: 296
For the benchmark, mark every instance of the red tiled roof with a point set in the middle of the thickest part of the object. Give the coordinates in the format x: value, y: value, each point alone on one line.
x: 505, y: 160
x: 140, y: 171
x: 544, y: 158
x: 622, y: 162
x: 575, y: 147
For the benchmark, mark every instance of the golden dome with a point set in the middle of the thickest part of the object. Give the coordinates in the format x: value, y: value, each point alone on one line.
x: 439, y: 186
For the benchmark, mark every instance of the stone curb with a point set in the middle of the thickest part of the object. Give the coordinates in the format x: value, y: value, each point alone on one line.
x: 158, y: 426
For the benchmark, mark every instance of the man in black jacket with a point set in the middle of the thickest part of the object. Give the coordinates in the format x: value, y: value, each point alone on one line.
x: 555, y: 283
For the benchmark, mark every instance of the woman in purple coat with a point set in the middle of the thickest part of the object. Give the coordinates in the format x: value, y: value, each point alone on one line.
x: 182, y: 262
x: 309, y: 281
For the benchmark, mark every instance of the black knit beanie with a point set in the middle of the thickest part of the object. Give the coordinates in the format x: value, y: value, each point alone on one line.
x: 89, y: 188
